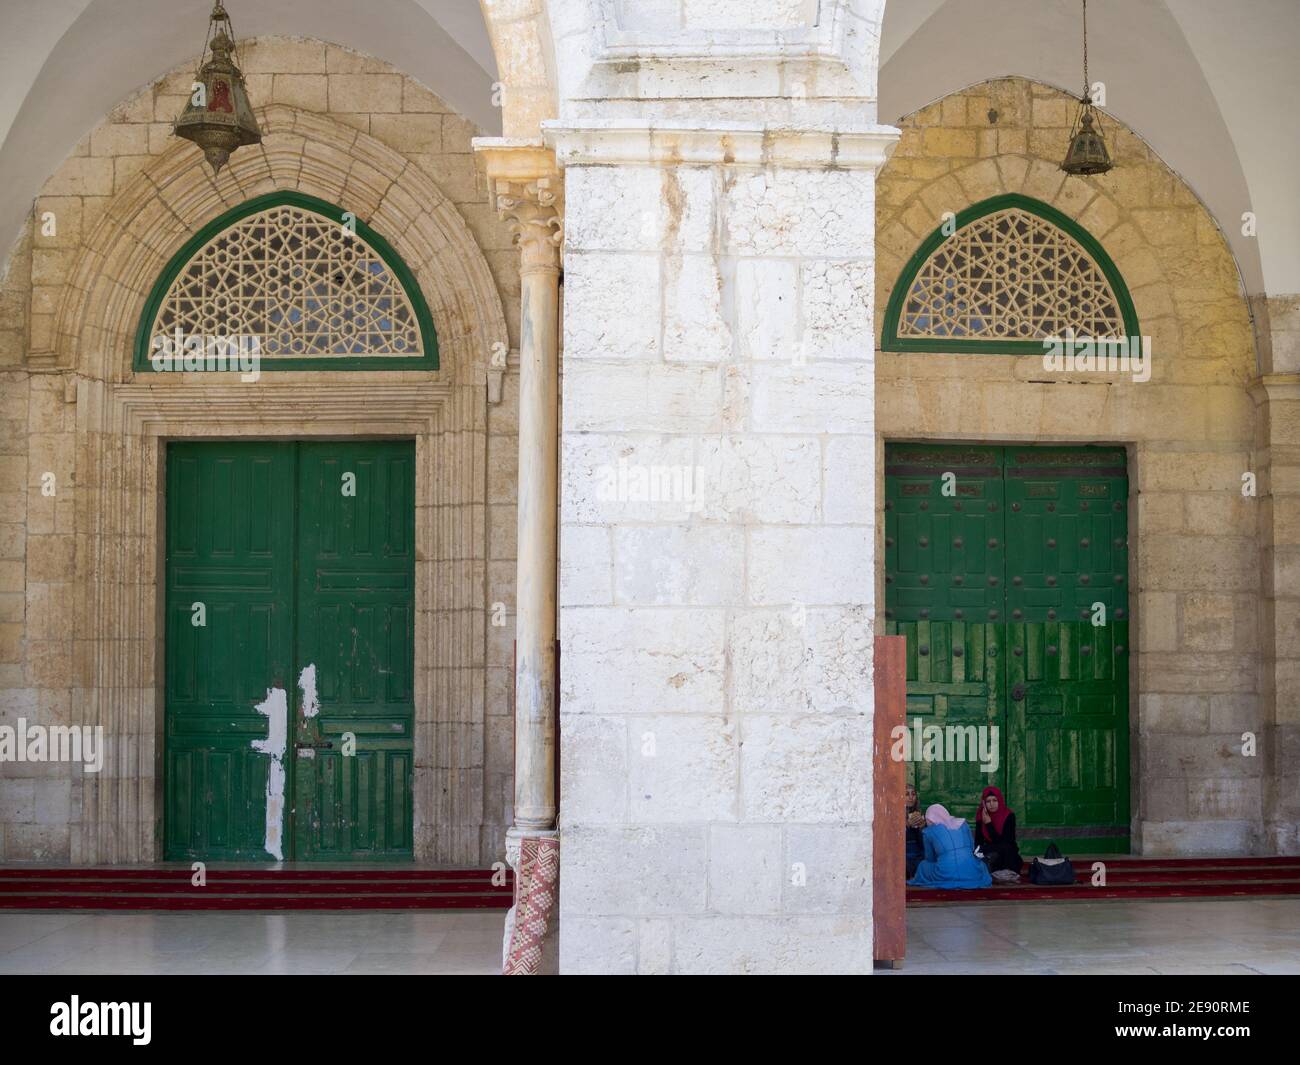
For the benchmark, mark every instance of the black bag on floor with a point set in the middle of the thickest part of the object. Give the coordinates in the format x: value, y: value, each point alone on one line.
x: 1051, y: 869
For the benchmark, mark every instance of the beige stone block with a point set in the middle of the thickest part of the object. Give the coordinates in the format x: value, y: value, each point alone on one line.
x: 120, y: 140
x: 1218, y: 563
x: 951, y: 142
x: 1208, y: 622
x: 981, y: 180
x: 139, y: 108
x: 51, y: 558
x: 1174, y: 713
x: 13, y: 607
x: 411, y: 133
x: 309, y: 92
x: 49, y: 611
x: 1160, y: 512
x: 81, y: 177
x: 1013, y: 142
x: 345, y: 61
x: 282, y: 56
x: 929, y: 169
x: 357, y: 93
x: 65, y: 223
x: 125, y: 167
x: 943, y: 195
x: 415, y: 97
x: 168, y: 107
x: 988, y: 143
x: 1191, y: 471
x: 13, y: 541
x: 1158, y: 615
x: 359, y: 121
x: 1043, y: 180
x: 953, y: 110
x: 1014, y: 168
x: 1221, y: 513
x: 1051, y: 113
x: 11, y: 643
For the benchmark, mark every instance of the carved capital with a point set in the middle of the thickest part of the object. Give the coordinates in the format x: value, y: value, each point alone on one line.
x: 534, y: 211
x: 528, y: 191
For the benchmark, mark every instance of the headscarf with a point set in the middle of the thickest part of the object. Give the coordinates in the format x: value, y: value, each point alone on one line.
x: 937, y: 815
x: 998, y: 817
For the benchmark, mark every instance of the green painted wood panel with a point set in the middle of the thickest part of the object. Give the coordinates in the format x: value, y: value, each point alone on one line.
x: 992, y: 573
x: 356, y: 625
x: 230, y: 534
x: 292, y: 573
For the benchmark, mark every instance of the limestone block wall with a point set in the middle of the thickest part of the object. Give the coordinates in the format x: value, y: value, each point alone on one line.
x: 78, y: 584
x: 1190, y: 432
x: 716, y: 686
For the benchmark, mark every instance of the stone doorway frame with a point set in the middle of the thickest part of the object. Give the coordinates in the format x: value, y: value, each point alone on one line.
x: 121, y: 419
x: 1131, y: 464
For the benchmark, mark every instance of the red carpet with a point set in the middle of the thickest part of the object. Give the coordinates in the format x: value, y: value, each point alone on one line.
x: 1139, y: 878
x: 299, y: 888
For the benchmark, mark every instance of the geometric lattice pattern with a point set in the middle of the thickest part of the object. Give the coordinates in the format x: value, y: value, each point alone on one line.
x: 1010, y: 276
x: 303, y: 283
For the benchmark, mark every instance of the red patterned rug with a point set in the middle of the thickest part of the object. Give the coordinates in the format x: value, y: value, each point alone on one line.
x: 536, y: 895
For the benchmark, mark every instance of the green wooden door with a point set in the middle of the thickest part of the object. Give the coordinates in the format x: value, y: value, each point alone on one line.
x: 289, y: 650
x: 995, y: 559
x: 356, y: 637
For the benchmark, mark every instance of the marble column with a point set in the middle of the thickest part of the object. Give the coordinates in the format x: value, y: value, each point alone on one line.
x: 527, y: 189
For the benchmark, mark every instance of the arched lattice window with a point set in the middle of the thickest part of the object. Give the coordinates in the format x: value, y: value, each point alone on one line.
x: 316, y: 287
x: 1010, y: 273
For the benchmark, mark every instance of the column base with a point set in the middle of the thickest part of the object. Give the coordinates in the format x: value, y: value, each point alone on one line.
x: 530, y: 946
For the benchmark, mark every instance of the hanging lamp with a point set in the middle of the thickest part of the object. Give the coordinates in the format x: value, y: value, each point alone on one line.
x: 218, y: 117
x: 1087, y: 152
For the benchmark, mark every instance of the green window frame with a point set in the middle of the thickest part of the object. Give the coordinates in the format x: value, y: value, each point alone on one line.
x: 425, y: 358
x: 891, y: 341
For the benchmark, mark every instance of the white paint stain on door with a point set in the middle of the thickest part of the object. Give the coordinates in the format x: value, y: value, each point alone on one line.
x: 275, y: 708
x: 307, y: 684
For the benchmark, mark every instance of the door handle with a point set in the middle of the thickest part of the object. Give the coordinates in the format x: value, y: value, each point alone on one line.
x: 327, y: 745
x: 1018, y: 692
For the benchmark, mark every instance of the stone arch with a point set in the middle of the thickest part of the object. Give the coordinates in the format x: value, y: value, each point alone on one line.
x: 122, y: 423
x: 1190, y: 431
x: 520, y: 32
x: 170, y: 200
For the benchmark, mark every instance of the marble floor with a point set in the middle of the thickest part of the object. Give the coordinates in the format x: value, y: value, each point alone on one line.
x: 464, y: 942
x: 1194, y: 936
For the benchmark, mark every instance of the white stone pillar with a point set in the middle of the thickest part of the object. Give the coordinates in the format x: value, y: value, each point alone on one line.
x: 527, y: 190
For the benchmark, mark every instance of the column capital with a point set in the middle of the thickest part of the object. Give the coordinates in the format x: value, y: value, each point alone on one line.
x: 528, y: 193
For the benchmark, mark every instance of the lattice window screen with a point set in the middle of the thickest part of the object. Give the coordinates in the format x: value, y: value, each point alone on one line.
x: 1010, y: 276
x: 301, y: 282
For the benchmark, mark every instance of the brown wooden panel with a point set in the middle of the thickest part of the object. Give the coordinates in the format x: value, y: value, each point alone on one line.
x: 889, y: 777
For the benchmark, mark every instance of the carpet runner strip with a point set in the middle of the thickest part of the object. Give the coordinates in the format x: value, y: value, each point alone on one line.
x: 251, y: 889
x: 1138, y: 878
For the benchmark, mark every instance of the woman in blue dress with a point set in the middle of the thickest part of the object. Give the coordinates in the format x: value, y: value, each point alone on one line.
x: 950, y: 860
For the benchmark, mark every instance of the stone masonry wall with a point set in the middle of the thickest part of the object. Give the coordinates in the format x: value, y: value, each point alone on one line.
x: 1190, y: 430
x: 42, y: 662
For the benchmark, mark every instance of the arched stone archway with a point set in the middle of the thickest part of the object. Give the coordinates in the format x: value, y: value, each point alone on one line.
x: 120, y: 422
x: 1191, y: 432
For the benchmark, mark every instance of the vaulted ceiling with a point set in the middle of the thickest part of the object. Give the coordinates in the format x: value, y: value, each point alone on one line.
x: 1211, y: 86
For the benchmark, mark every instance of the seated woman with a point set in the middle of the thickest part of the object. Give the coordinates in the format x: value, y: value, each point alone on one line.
x: 995, y: 835
x: 950, y: 860
x: 915, y: 820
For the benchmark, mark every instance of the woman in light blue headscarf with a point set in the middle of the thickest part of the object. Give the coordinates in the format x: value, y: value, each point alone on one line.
x: 950, y: 860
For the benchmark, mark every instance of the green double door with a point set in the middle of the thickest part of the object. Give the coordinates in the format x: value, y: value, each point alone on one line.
x: 289, y: 655
x: 1006, y: 568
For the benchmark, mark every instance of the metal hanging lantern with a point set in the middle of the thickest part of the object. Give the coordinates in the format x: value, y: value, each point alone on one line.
x: 218, y: 117
x: 1087, y: 152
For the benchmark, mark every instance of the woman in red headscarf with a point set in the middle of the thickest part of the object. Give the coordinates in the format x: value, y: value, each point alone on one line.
x: 995, y: 836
